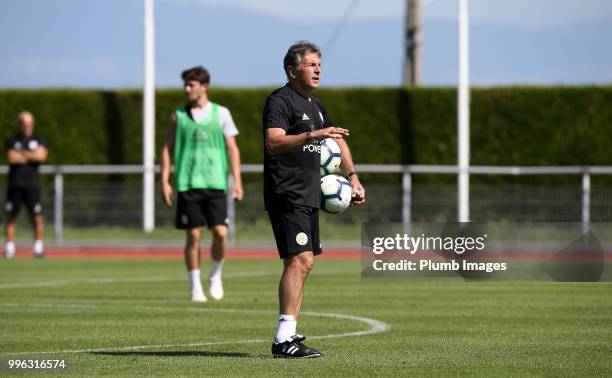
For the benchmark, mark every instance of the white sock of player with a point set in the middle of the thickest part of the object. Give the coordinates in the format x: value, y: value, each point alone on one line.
x: 287, y: 326
x: 194, y: 281
x: 38, y: 247
x: 215, y: 270
x: 9, y: 249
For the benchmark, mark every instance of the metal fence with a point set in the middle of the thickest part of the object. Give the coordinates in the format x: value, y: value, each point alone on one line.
x: 111, y: 196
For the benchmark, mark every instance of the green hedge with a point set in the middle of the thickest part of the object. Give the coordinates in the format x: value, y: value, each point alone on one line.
x: 509, y: 125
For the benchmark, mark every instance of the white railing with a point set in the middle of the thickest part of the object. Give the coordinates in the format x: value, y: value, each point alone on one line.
x: 407, y: 171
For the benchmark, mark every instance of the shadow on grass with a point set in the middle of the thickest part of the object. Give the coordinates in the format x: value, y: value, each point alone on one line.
x: 175, y: 354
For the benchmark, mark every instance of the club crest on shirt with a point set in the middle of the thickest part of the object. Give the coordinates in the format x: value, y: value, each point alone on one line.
x: 32, y: 145
x: 301, y: 238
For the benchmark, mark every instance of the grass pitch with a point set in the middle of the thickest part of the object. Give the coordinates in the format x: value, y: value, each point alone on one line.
x: 132, y: 318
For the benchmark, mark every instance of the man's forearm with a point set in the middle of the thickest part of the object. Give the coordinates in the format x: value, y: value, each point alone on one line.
x: 282, y: 144
x: 165, y: 175
x: 235, y: 164
x: 346, y: 164
x: 165, y: 166
x: 16, y: 157
x: 37, y: 156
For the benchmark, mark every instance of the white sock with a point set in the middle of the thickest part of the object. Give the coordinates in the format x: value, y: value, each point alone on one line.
x: 38, y: 247
x: 286, y: 328
x: 194, y: 281
x: 215, y: 270
x: 9, y: 247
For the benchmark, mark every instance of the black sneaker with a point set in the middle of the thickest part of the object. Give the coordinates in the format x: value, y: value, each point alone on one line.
x: 293, y: 348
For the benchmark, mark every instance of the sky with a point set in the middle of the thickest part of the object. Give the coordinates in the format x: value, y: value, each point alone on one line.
x: 99, y: 44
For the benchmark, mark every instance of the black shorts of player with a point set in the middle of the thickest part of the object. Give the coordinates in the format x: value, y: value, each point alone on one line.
x: 15, y: 197
x: 199, y: 207
x: 296, y: 229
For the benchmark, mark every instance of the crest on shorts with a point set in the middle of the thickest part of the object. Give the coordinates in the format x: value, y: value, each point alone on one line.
x: 301, y: 238
x: 184, y: 219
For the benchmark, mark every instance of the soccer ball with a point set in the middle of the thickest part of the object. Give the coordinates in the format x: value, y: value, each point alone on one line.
x: 330, y: 157
x: 335, y: 194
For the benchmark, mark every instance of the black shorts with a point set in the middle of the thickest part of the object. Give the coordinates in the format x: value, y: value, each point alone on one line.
x: 296, y: 229
x: 15, y: 197
x: 199, y: 207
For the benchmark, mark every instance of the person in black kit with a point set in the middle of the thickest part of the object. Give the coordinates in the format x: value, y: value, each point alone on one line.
x: 293, y: 124
x: 25, y: 151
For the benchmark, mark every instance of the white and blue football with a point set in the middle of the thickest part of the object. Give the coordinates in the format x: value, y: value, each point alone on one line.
x: 335, y: 194
x: 330, y: 157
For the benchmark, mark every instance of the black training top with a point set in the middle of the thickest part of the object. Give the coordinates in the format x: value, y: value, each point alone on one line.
x: 23, y: 175
x: 293, y: 176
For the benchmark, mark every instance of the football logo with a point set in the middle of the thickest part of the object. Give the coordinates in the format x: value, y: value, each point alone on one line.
x: 199, y: 135
x: 301, y: 238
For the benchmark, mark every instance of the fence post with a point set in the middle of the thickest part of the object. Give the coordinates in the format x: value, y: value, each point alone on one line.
x: 231, y: 212
x: 58, y: 205
x: 406, y: 199
x: 586, y: 200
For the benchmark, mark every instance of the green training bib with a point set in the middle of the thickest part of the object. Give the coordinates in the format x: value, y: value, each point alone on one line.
x: 200, y: 157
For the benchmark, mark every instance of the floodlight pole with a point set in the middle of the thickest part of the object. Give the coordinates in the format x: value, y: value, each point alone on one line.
x: 412, y: 43
x: 463, y: 117
x: 148, y: 140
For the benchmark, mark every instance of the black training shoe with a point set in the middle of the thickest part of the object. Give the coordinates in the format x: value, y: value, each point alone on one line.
x: 293, y: 348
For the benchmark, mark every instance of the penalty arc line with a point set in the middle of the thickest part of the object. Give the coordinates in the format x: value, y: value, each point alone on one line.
x: 375, y: 326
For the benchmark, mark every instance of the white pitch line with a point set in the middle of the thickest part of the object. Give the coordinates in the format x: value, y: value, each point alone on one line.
x: 113, y: 280
x: 141, y: 347
x: 375, y: 326
x: 102, y: 280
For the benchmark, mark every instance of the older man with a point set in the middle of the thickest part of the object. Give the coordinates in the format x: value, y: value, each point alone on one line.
x: 294, y: 122
x: 25, y: 151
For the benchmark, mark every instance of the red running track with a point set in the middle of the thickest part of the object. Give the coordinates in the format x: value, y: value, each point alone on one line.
x: 243, y: 253
x: 171, y: 253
